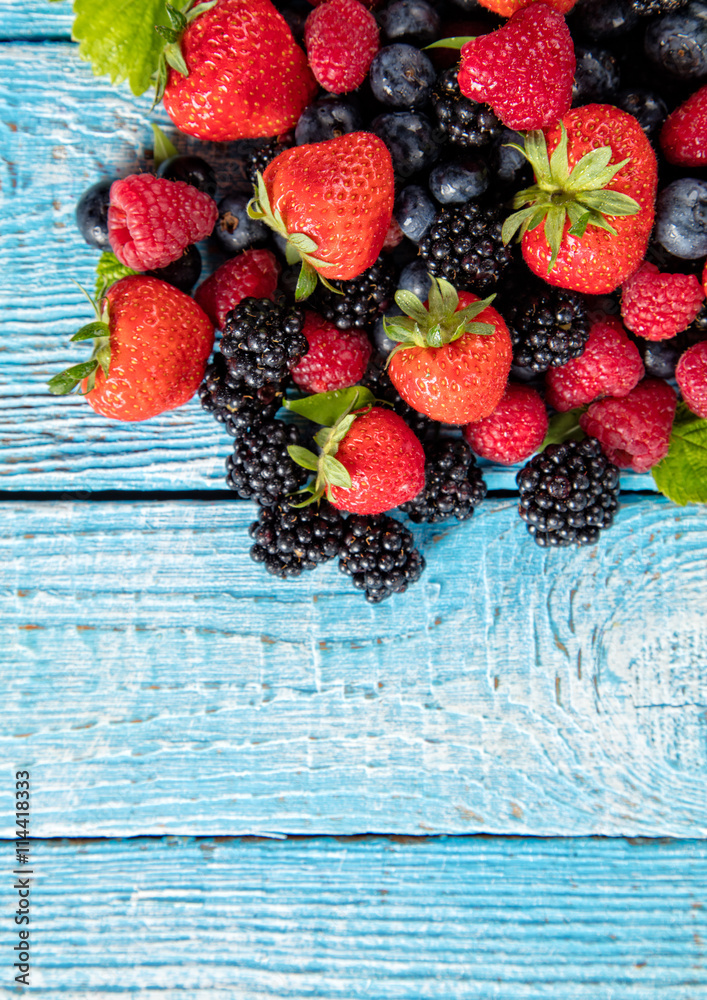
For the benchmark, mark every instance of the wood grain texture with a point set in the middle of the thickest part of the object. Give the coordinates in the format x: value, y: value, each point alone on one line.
x: 60, y: 130
x: 158, y: 681
x: 377, y: 919
x: 35, y: 19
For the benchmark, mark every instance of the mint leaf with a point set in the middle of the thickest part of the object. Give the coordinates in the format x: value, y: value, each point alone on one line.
x: 327, y: 407
x: 682, y: 474
x: 118, y: 38
x: 564, y: 427
x: 108, y: 271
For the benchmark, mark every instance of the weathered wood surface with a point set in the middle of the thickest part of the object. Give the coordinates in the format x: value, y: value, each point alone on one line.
x: 456, y: 919
x: 157, y: 680
x: 35, y: 19
x: 60, y: 130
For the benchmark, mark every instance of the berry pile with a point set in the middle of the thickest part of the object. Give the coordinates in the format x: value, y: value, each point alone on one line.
x: 491, y: 243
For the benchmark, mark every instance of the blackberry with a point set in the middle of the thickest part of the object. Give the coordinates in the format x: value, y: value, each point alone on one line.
x: 548, y: 325
x: 464, y: 122
x: 464, y: 245
x: 262, y: 340
x: 378, y: 381
x: 289, y: 540
x: 453, y: 484
x: 256, y: 158
x: 232, y: 402
x: 260, y: 467
x: 378, y: 553
x: 364, y: 298
x: 568, y: 493
x: 649, y: 7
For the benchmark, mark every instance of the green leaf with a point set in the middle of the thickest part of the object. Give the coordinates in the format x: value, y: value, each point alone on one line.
x: 327, y: 407
x: 335, y: 473
x: 559, y: 166
x: 292, y: 255
x: 411, y: 305
x: 340, y: 430
x: 554, y: 228
x: 456, y: 42
x: 682, y: 474
x: 303, y: 456
x: 302, y: 243
x: 108, y: 271
x: 514, y: 222
x: 67, y: 380
x: 588, y: 168
x: 306, y: 283
x: 564, y: 427
x: 536, y: 153
x: 118, y: 38
x: 174, y: 58
x: 92, y: 330
x: 163, y: 149
x: 609, y: 202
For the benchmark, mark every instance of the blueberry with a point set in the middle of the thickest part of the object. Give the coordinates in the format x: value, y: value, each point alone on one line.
x: 383, y: 344
x: 413, y: 143
x: 411, y: 21
x: 401, y: 76
x: 596, y: 78
x: 414, y: 211
x: 678, y: 42
x: 182, y: 273
x: 234, y: 228
x: 457, y: 182
x: 92, y: 214
x: 327, y: 119
x: 190, y: 169
x: 415, y: 278
x: 681, y: 218
x: 509, y: 166
x: 604, y: 18
x: 648, y: 108
x: 660, y: 357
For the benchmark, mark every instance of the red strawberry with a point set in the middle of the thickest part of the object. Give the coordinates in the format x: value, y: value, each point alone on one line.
x: 508, y: 7
x: 151, y: 221
x: 453, y: 359
x: 336, y: 359
x: 515, y: 429
x: 246, y: 75
x: 683, y: 137
x: 341, y: 37
x: 587, y: 221
x: 150, y: 351
x: 659, y: 306
x: 332, y: 201
x: 524, y: 69
x: 251, y: 273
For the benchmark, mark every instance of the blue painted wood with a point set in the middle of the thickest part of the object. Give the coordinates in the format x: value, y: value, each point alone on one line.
x: 35, y: 19
x: 157, y: 680
x: 453, y: 919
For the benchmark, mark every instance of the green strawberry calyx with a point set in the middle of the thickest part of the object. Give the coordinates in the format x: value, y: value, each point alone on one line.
x: 439, y: 323
x: 300, y: 247
x: 336, y: 411
x: 171, y: 54
x: 579, y: 194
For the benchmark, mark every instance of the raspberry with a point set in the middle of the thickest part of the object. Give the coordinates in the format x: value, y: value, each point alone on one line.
x: 657, y: 306
x: 691, y: 375
x: 514, y: 430
x: 634, y: 431
x: 251, y: 273
x: 610, y: 366
x: 151, y: 221
x: 341, y: 38
x: 683, y: 137
x: 336, y: 358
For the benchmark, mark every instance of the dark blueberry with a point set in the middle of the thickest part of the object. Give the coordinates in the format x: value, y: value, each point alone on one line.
x: 182, y: 273
x: 646, y: 106
x: 678, y: 42
x: 411, y: 21
x: 327, y: 119
x: 401, y: 76
x: 596, y: 78
x: 92, y: 214
x: 414, y: 212
x: 509, y: 167
x: 382, y: 343
x: 192, y: 170
x: 415, y: 278
x: 604, y: 18
x: 660, y: 357
x: 410, y: 139
x: 455, y: 183
x: 234, y: 228
x: 681, y: 218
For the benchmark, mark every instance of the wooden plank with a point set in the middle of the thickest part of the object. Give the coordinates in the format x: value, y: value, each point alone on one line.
x: 456, y: 919
x: 35, y: 19
x: 156, y: 680
x: 61, y: 130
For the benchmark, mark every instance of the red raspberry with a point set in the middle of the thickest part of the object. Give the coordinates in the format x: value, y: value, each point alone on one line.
x: 609, y: 366
x: 691, y: 375
x: 336, y: 359
x: 253, y: 272
x: 657, y: 306
x: 341, y: 38
x: 634, y: 431
x: 151, y: 221
x: 683, y: 137
x: 514, y: 430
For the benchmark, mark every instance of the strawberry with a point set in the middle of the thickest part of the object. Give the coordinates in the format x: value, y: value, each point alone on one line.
x: 506, y: 8
x: 683, y: 137
x: 235, y: 72
x: 453, y: 359
x: 524, y: 69
x: 151, y: 345
x: 341, y: 37
x: 594, y: 166
x: 332, y: 201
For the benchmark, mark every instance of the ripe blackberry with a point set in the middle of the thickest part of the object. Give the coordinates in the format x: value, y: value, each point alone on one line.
x: 260, y: 467
x: 464, y: 122
x: 378, y: 553
x: 548, y: 325
x: 232, y: 402
x: 256, y: 157
x: 568, y: 493
x: 453, y: 484
x: 378, y: 381
x: 464, y: 245
x: 289, y: 539
x: 650, y: 7
x: 262, y: 340
x: 364, y: 298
